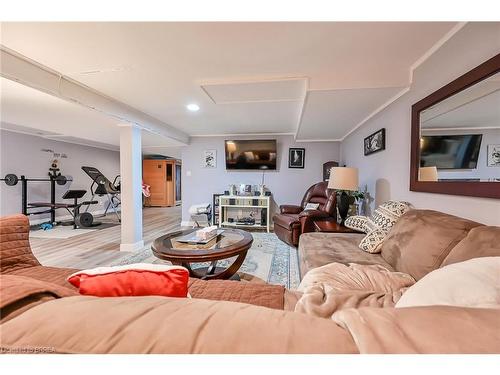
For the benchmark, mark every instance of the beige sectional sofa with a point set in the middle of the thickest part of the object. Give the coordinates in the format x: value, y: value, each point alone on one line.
x: 41, y: 311
x: 420, y: 242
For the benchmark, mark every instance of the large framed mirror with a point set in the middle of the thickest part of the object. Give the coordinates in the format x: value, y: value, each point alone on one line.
x: 455, y: 136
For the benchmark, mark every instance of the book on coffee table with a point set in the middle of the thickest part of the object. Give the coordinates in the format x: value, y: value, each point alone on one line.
x: 191, y: 238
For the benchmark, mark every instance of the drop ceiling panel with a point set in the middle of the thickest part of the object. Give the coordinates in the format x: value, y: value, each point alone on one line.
x: 243, y: 118
x: 332, y: 114
x: 256, y: 91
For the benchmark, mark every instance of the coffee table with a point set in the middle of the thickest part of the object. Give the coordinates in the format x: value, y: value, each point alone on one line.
x: 228, y: 244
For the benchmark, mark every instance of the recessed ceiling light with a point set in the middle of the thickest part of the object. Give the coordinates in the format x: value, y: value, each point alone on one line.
x: 193, y: 107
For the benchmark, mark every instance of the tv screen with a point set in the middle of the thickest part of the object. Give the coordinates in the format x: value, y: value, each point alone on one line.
x: 450, y: 151
x: 251, y: 154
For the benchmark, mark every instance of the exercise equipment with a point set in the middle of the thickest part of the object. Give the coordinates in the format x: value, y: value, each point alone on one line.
x: 85, y: 219
x: 12, y: 180
x: 101, y: 186
x: 54, y: 178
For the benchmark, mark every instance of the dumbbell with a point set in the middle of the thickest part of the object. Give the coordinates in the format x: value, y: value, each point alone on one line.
x: 10, y: 179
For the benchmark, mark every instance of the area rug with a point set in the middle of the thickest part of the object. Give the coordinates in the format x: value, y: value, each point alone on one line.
x: 268, y: 259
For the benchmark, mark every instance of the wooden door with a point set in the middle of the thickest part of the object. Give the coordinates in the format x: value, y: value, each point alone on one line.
x: 155, y: 175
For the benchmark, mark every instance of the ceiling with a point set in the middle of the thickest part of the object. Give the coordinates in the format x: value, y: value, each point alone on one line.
x: 30, y: 111
x: 317, y: 81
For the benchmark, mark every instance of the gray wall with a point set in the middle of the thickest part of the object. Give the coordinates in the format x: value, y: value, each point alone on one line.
x: 287, y: 185
x: 386, y: 173
x: 21, y: 155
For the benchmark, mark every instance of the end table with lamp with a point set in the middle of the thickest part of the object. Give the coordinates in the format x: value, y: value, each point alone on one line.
x: 343, y: 179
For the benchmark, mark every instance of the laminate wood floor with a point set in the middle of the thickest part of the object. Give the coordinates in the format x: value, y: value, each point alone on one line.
x: 101, y: 247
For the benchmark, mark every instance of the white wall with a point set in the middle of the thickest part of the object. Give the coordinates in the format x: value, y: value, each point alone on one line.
x: 386, y: 173
x: 21, y: 155
x: 287, y: 185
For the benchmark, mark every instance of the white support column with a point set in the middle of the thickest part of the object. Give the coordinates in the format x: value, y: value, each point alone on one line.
x: 131, y: 187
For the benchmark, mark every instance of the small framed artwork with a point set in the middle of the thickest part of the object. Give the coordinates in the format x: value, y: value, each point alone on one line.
x: 210, y: 159
x: 493, y: 155
x: 375, y: 142
x: 327, y: 168
x: 296, y: 157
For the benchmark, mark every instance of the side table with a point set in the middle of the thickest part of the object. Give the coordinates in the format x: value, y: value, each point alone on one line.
x: 331, y: 227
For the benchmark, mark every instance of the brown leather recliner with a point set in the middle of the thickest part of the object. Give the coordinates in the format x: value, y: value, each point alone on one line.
x: 292, y: 221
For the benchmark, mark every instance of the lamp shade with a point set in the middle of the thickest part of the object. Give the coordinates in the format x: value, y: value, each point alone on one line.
x: 343, y: 178
x: 427, y: 174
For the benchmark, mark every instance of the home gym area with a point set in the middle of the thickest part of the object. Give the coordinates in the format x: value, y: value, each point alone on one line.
x: 75, y: 170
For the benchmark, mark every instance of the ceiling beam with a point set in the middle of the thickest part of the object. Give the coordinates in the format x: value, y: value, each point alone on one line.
x: 30, y: 73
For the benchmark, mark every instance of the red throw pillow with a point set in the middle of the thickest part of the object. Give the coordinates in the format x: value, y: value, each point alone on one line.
x: 138, y: 279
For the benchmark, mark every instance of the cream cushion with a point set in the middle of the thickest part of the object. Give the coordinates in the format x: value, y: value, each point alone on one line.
x: 473, y: 283
x: 356, y: 222
x: 379, y: 224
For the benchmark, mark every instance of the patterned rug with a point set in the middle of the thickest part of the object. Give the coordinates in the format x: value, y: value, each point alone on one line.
x: 268, y: 259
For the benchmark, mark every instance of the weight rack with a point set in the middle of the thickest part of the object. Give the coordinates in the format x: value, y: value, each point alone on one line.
x: 12, y: 180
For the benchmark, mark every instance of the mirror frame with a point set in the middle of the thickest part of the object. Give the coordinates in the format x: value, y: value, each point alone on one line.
x: 473, y: 189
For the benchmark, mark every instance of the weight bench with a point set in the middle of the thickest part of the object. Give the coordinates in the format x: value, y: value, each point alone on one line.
x: 101, y: 186
x: 85, y: 219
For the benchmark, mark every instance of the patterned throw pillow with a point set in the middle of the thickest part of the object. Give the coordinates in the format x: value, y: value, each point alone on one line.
x: 372, y: 242
x: 386, y: 215
x: 311, y: 206
x: 380, y: 223
x: 357, y: 223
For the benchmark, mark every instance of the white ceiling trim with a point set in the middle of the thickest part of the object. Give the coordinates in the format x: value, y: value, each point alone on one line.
x: 302, y: 107
x: 30, y: 73
x: 462, y: 128
x: 435, y: 47
x: 239, y: 134
x: 318, y: 140
x: 413, y: 67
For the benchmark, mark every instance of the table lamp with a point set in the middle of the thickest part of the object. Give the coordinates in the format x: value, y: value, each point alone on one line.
x: 344, y: 179
x: 427, y: 174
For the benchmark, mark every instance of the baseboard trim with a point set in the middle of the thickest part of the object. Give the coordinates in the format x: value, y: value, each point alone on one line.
x: 131, y: 247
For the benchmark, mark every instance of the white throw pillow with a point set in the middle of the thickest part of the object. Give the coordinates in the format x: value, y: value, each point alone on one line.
x: 473, y: 283
x: 379, y: 224
x: 311, y: 206
x: 356, y: 222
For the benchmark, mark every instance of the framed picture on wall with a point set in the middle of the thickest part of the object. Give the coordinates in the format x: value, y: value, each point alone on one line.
x: 296, y: 157
x: 493, y: 155
x: 327, y: 167
x: 375, y: 142
x: 209, y: 159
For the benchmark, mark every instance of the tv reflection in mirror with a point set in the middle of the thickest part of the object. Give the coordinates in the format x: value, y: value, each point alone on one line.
x: 450, y: 151
x: 251, y: 154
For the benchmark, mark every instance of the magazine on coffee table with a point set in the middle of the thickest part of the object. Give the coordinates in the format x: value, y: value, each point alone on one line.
x: 192, y: 239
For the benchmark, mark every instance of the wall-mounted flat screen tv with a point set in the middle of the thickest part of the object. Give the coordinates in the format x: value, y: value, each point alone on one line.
x: 450, y: 151
x: 251, y: 154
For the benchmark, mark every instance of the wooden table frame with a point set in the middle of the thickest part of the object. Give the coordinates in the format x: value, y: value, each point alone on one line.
x: 184, y: 257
